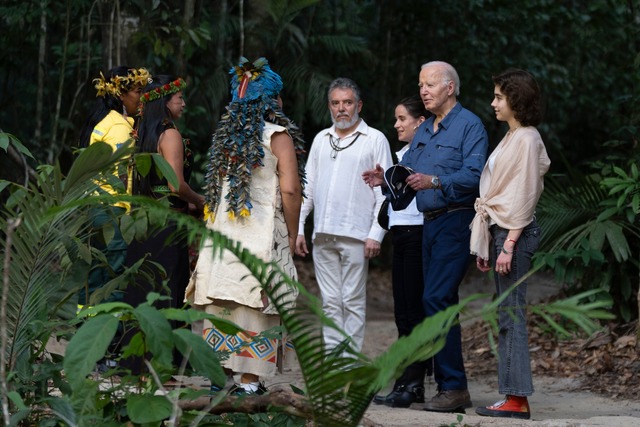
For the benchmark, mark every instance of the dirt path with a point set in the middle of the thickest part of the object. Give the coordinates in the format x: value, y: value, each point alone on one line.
x: 556, y: 402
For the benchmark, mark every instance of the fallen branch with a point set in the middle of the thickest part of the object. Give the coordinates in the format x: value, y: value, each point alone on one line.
x: 277, y: 400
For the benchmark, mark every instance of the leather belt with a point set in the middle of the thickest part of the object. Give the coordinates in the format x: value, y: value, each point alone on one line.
x: 431, y: 215
x: 406, y: 227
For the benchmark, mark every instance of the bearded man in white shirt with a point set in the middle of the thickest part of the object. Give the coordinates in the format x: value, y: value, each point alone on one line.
x: 346, y: 233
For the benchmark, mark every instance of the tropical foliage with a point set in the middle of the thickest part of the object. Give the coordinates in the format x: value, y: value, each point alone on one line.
x: 46, y: 241
x: 592, y: 233
x: 52, y: 51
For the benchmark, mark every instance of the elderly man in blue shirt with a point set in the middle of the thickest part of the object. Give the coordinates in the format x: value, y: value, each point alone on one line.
x: 448, y: 153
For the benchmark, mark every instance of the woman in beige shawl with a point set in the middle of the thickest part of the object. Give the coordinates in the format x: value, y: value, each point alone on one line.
x: 505, y: 230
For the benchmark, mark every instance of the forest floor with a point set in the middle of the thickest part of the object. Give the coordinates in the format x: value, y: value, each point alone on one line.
x: 579, y: 380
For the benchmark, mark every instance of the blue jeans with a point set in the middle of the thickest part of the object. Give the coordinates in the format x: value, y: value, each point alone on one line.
x: 445, y: 254
x: 514, y: 364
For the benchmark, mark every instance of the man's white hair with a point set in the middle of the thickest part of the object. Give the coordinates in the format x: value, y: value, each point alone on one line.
x: 448, y: 73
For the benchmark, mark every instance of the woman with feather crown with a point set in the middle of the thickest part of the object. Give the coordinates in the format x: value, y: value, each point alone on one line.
x: 253, y: 195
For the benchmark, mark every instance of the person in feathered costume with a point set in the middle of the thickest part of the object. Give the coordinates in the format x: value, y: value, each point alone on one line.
x: 256, y: 176
x: 236, y: 149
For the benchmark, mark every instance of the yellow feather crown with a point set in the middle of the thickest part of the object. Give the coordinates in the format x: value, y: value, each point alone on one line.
x: 118, y: 84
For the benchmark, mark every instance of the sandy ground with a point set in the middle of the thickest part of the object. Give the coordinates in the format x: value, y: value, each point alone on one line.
x: 555, y: 403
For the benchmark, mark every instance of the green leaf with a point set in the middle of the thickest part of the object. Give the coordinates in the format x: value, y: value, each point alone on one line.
x: 148, y: 409
x: 596, y: 236
x: 201, y: 355
x: 16, y: 399
x: 108, y: 231
x: 618, y: 242
x: 63, y: 410
x: 93, y: 159
x: 143, y: 163
x: 157, y: 216
x: 191, y: 315
x: 85, y: 398
x: 7, y: 138
x: 165, y: 170
x: 127, y: 228
x: 88, y: 345
x: 157, y: 331
x: 18, y: 416
x: 105, y: 308
x: 141, y: 224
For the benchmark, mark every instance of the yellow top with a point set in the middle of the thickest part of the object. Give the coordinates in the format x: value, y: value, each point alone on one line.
x: 115, y: 130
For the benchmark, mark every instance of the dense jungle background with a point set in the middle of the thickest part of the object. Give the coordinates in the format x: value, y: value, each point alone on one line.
x: 584, y: 54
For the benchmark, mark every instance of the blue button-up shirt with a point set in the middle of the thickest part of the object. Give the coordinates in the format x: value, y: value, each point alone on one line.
x: 455, y: 153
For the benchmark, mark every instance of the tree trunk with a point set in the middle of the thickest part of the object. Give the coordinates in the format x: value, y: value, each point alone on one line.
x: 241, y: 28
x: 53, y: 148
x: 187, y: 21
x: 37, y: 134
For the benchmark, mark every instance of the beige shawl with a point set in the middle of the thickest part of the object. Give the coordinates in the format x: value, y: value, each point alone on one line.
x: 510, y: 192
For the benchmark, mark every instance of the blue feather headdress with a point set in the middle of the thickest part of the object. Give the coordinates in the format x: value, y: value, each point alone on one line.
x: 253, y: 80
x: 236, y: 146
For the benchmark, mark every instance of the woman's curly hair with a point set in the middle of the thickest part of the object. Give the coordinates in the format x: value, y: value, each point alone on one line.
x: 523, y: 95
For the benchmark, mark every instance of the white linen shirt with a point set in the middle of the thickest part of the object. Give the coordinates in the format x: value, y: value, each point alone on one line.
x: 342, y: 204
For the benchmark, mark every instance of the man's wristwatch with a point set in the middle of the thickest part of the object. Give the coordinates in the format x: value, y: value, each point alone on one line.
x: 435, y: 182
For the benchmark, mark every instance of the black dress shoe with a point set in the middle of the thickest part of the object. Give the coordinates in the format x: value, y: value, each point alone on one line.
x: 381, y: 400
x: 405, y: 395
x: 402, y: 396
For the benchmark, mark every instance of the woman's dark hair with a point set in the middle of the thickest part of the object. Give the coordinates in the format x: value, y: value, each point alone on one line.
x: 102, y: 107
x: 415, y: 107
x: 155, y: 119
x: 523, y: 95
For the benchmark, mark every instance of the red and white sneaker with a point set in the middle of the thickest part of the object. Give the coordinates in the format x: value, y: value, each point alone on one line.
x: 510, y: 407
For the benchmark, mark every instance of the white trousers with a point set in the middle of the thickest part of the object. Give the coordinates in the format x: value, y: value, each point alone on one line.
x: 341, y: 270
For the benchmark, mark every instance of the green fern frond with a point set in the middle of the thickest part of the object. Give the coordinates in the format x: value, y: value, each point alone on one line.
x: 566, y: 203
x: 47, y: 248
x: 578, y: 311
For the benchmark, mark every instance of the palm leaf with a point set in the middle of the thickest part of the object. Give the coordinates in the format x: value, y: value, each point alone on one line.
x: 47, y: 249
x: 340, y: 382
x: 567, y: 202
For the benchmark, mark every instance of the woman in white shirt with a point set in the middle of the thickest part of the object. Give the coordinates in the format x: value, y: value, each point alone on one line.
x: 407, y: 279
